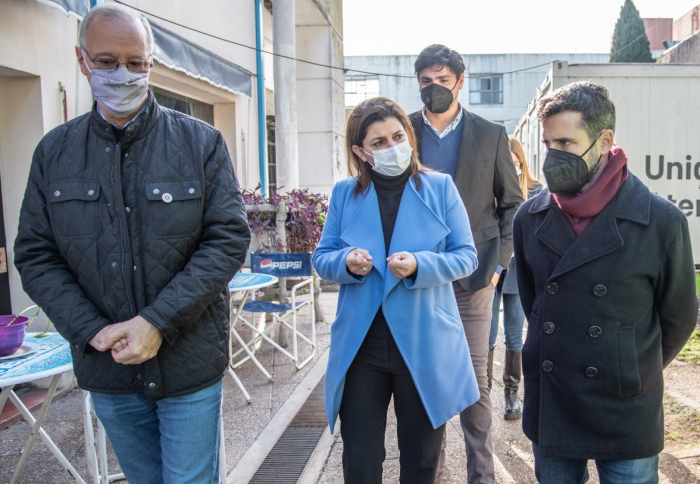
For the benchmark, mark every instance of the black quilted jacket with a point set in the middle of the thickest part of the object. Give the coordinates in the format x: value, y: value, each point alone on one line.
x: 151, y: 224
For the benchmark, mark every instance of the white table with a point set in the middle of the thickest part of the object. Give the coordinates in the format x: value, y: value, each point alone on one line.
x: 245, y: 282
x: 52, y: 358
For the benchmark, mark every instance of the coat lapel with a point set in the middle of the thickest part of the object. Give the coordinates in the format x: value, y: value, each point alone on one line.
x: 365, y: 230
x: 417, y: 228
x: 466, y: 152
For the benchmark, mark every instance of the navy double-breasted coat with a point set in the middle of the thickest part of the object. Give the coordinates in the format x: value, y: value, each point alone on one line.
x: 606, y: 311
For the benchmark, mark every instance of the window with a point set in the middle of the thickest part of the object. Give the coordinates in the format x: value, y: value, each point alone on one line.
x: 359, y: 88
x: 486, y: 89
x: 194, y: 108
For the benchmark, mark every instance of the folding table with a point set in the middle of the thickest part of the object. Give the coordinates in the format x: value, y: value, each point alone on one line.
x: 245, y: 282
x: 51, y: 358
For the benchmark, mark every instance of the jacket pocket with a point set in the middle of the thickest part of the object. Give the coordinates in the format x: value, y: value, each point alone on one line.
x: 628, y: 369
x: 175, y: 207
x: 74, y: 208
x: 449, y: 318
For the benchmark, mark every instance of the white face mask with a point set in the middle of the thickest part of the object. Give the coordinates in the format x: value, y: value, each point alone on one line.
x: 392, y: 161
x: 119, y: 91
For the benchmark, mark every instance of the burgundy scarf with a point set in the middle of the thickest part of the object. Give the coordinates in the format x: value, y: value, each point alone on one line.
x: 585, y: 206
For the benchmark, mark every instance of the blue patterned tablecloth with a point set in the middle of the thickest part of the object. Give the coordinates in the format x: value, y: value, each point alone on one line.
x: 52, y: 357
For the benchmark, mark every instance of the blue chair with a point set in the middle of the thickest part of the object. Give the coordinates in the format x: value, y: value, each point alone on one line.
x: 283, y: 266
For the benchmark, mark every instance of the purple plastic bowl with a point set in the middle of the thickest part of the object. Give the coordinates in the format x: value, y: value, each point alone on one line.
x: 12, y: 337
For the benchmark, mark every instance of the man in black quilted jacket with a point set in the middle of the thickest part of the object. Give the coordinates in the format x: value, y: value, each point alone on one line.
x: 131, y: 227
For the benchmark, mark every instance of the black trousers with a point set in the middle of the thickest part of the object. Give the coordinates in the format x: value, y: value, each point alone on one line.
x: 377, y: 373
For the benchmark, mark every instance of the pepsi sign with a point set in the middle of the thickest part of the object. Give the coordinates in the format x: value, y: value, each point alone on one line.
x: 281, y: 264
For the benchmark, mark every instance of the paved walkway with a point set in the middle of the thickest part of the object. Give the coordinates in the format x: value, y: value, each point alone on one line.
x: 243, y: 424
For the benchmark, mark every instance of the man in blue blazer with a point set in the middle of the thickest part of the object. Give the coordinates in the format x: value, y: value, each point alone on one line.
x: 475, y: 152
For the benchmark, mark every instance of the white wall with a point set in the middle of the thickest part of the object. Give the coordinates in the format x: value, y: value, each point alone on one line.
x: 518, y: 88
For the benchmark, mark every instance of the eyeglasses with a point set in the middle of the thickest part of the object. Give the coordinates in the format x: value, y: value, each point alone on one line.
x: 107, y: 64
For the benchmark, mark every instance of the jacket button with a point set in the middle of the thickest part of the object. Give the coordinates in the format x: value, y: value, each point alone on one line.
x: 57, y: 193
x: 151, y: 385
x: 91, y: 192
x: 595, y: 332
x: 547, y: 366
x: 156, y: 191
x: 552, y: 288
x: 600, y: 290
x: 128, y: 210
x: 591, y: 372
x: 108, y: 149
x: 191, y: 190
x: 114, y: 264
x: 548, y: 327
x: 139, y: 376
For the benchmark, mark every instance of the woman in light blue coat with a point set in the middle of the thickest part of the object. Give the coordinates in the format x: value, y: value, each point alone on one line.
x: 395, y: 238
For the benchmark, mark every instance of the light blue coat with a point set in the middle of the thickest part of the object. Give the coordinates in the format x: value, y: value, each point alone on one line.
x: 422, y: 315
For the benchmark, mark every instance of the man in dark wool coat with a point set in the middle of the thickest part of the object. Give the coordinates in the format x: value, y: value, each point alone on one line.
x: 606, y: 278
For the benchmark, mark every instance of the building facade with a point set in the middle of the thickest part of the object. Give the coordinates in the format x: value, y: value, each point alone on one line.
x: 205, y: 64
x: 497, y: 86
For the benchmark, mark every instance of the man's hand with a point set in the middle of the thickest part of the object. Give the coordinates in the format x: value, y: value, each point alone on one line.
x: 494, y: 279
x: 359, y: 262
x: 133, y: 341
x: 402, y: 264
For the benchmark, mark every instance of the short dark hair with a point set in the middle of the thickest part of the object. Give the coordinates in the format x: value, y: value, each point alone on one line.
x: 588, y: 98
x: 441, y: 56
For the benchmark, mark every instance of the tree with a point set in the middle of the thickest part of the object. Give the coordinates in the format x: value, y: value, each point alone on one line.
x: 630, y: 42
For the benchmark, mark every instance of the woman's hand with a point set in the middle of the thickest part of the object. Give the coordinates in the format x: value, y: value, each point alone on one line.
x: 402, y: 264
x: 359, y: 262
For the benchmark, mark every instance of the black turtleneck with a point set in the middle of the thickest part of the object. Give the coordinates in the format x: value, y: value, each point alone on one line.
x: 389, y: 190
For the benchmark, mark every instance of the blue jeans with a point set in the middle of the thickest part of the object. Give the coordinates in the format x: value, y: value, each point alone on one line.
x: 513, y: 319
x: 556, y: 470
x: 173, y: 440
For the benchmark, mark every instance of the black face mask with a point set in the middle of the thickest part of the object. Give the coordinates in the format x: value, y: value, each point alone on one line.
x: 568, y: 172
x: 437, y: 98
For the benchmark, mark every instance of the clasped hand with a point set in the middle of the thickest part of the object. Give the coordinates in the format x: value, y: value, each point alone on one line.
x: 401, y: 264
x: 132, y: 342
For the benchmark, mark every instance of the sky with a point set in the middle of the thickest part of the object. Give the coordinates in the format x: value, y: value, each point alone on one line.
x: 395, y: 27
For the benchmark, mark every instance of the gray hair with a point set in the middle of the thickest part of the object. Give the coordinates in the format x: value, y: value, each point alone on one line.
x: 116, y: 11
x: 588, y: 98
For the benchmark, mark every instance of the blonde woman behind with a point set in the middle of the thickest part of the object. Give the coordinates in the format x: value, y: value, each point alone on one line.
x: 513, y: 315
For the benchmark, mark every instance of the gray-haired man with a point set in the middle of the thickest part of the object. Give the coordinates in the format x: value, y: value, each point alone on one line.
x: 132, y: 225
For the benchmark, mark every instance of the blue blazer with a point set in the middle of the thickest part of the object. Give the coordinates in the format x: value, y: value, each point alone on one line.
x: 422, y: 315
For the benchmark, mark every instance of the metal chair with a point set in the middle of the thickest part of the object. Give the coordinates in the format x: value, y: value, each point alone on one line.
x: 283, y: 266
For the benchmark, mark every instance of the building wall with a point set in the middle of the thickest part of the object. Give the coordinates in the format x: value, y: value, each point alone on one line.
x: 687, y: 52
x: 658, y: 118
x: 37, y: 55
x: 658, y: 30
x: 687, y: 25
x: 518, y: 87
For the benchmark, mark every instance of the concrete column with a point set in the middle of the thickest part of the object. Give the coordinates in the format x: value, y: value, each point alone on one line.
x: 285, y: 72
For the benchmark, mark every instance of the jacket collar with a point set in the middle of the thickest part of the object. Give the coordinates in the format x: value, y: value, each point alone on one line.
x: 417, y: 228
x: 601, y: 237
x: 139, y: 128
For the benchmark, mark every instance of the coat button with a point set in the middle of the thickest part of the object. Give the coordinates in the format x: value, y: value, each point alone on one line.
x: 548, y: 327
x: 156, y: 191
x: 57, y: 193
x: 191, y: 190
x: 552, y: 288
x: 151, y: 385
x: 139, y: 376
x: 591, y: 372
x: 91, y: 192
x: 108, y: 149
x: 595, y: 332
x: 114, y: 264
x: 547, y: 366
x: 600, y: 290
